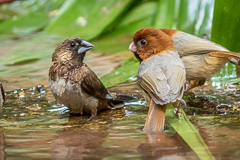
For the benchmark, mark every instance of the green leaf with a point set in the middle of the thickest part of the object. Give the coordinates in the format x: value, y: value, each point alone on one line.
x: 25, y: 17
x: 123, y: 73
x: 226, y: 22
x: 225, y: 31
x: 82, y: 18
x: 193, y: 17
x: 166, y: 14
x: 118, y: 40
x: 24, y: 24
x: 234, y: 81
x: 189, y: 134
x: 41, y: 46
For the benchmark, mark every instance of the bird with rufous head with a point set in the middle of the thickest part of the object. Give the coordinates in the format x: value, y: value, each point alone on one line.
x: 161, y: 74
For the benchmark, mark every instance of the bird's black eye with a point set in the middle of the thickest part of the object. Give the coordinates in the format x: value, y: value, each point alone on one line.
x: 142, y: 42
x: 72, y: 44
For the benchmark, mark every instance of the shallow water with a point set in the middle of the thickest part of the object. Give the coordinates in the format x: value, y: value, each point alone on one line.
x: 33, y: 126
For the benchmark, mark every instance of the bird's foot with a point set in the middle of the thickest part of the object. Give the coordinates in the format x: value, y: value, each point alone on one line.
x: 64, y: 110
x: 89, y: 119
x: 178, y: 112
x: 183, y: 102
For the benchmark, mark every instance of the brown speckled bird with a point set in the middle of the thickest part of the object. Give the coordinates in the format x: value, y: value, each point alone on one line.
x: 161, y: 74
x: 202, y: 58
x: 2, y: 97
x: 74, y: 84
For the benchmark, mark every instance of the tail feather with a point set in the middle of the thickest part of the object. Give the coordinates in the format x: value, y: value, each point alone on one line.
x: 225, y: 54
x: 119, y: 99
x: 156, y: 118
x: 234, y: 57
x: 124, y: 97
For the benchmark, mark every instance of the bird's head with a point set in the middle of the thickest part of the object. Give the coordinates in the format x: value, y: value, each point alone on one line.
x: 150, y: 41
x: 73, y: 49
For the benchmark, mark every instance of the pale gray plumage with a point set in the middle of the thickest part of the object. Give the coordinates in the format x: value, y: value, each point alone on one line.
x: 193, y: 52
x: 163, y: 77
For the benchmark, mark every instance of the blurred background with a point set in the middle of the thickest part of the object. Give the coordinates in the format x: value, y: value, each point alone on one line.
x: 32, y: 125
x: 31, y: 29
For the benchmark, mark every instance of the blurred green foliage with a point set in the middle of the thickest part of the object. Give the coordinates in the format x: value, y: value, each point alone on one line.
x: 25, y: 17
x: 225, y: 31
x: 42, y: 24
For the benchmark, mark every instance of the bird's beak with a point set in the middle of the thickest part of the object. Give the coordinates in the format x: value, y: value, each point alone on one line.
x: 133, y: 47
x: 85, y: 46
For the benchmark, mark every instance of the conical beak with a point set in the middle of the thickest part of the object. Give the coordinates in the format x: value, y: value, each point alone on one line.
x: 84, y: 47
x: 133, y: 47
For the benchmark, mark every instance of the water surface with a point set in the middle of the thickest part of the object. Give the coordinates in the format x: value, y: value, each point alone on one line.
x: 33, y: 126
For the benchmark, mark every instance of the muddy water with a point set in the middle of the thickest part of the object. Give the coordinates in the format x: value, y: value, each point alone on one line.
x: 33, y: 126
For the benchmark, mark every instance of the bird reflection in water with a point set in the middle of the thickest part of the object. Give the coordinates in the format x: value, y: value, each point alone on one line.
x: 166, y: 146
x: 84, y: 140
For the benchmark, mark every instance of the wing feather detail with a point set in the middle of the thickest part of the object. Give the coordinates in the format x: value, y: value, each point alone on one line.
x: 164, y: 86
x: 92, y: 85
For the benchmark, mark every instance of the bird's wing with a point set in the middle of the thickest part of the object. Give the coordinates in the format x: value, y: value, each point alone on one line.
x: 164, y: 86
x: 92, y: 85
x: 201, y: 46
x: 190, y: 44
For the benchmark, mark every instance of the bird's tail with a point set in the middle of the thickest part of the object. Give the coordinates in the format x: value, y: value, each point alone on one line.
x: 233, y: 56
x: 119, y: 99
x: 156, y: 118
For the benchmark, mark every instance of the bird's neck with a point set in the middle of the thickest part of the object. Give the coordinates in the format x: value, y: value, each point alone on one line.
x: 69, y: 64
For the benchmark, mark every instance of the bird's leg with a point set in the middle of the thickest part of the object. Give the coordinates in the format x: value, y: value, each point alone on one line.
x: 63, y: 111
x: 183, y: 102
x: 91, y: 118
x: 177, y: 109
x: 93, y: 115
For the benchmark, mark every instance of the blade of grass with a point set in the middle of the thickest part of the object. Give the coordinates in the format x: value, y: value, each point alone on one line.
x: 189, y: 134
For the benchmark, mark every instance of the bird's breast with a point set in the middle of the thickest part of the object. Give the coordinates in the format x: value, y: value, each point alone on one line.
x: 70, y: 94
x: 63, y: 87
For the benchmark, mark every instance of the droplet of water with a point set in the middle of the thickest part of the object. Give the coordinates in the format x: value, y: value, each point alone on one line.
x: 42, y: 91
x: 22, y: 95
x: 105, y: 10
